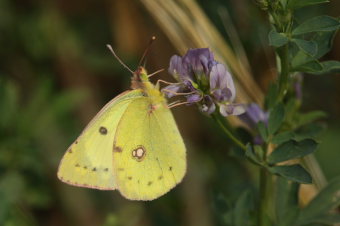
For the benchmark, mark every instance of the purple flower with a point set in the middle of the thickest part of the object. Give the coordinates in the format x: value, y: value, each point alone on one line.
x: 205, y: 81
x: 253, y: 115
x: 298, y: 79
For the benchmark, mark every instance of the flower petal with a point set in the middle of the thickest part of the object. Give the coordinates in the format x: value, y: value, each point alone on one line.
x: 194, y: 98
x: 220, y: 78
x: 232, y: 109
x: 176, y: 67
x: 188, y: 84
x: 222, y: 95
x: 253, y: 115
x: 171, y: 90
x: 198, y: 62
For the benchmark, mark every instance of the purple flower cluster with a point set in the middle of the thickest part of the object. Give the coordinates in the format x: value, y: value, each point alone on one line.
x: 204, y: 81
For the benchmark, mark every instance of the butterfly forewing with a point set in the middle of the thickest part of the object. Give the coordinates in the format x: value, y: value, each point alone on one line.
x: 149, y: 153
x: 88, y: 161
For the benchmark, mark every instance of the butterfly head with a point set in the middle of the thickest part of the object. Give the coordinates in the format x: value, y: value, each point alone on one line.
x: 140, y: 80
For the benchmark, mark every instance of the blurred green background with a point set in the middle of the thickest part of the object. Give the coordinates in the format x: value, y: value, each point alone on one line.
x: 56, y: 73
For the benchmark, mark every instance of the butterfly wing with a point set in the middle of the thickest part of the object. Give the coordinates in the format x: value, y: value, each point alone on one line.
x: 88, y: 161
x: 149, y: 154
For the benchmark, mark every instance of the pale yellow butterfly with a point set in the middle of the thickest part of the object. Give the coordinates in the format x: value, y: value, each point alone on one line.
x: 132, y: 145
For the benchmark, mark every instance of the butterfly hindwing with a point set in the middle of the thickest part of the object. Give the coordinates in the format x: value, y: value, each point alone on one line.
x: 149, y: 153
x: 88, y: 161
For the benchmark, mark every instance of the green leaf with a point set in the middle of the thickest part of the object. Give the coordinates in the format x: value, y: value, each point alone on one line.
x: 309, y: 131
x: 283, y: 137
x: 327, y: 199
x: 277, y: 39
x: 292, y: 172
x: 308, y: 47
x: 291, y: 150
x: 324, y: 40
x: 295, y: 4
x: 330, y: 66
x: 310, y: 117
x: 311, y: 67
x: 263, y: 130
x: 252, y: 156
x: 242, y: 209
x: 276, y: 118
x: 284, y: 3
x: 259, y: 152
x: 301, y: 58
x: 328, y: 219
x: 320, y: 23
x: 271, y: 96
x: 286, y: 202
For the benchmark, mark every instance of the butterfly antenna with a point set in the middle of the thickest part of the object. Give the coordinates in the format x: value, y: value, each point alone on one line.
x: 120, y: 61
x: 153, y: 38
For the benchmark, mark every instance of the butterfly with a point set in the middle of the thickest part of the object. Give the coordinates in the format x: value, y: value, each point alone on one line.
x: 132, y: 145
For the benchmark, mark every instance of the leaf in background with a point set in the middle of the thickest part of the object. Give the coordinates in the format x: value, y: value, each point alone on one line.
x: 277, y: 39
x: 286, y: 201
x: 300, y: 58
x: 8, y: 103
x: 252, y: 155
x: 310, y: 117
x: 325, y: 201
x: 291, y: 108
x: 242, y: 209
x: 295, y: 4
x: 283, y: 137
x: 327, y: 219
x: 271, y: 96
x: 319, y: 23
x: 310, y: 67
x: 263, y: 130
x: 292, y: 172
x: 324, y: 40
x: 291, y: 150
x: 284, y: 3
x: 309, y: 131
x: 330, y: 66
x: 276, y: 118
x: 308, y: 47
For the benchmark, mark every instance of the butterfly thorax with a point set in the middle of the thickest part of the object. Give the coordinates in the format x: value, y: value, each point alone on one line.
x: 140, y: 80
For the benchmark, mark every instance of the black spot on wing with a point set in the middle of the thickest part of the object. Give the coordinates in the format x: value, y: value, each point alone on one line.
x: 102, y: 130
x: 117, y: 149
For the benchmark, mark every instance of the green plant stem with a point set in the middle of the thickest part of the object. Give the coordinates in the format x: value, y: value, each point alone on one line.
x: 264, y: 208
x: 228, y: 133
